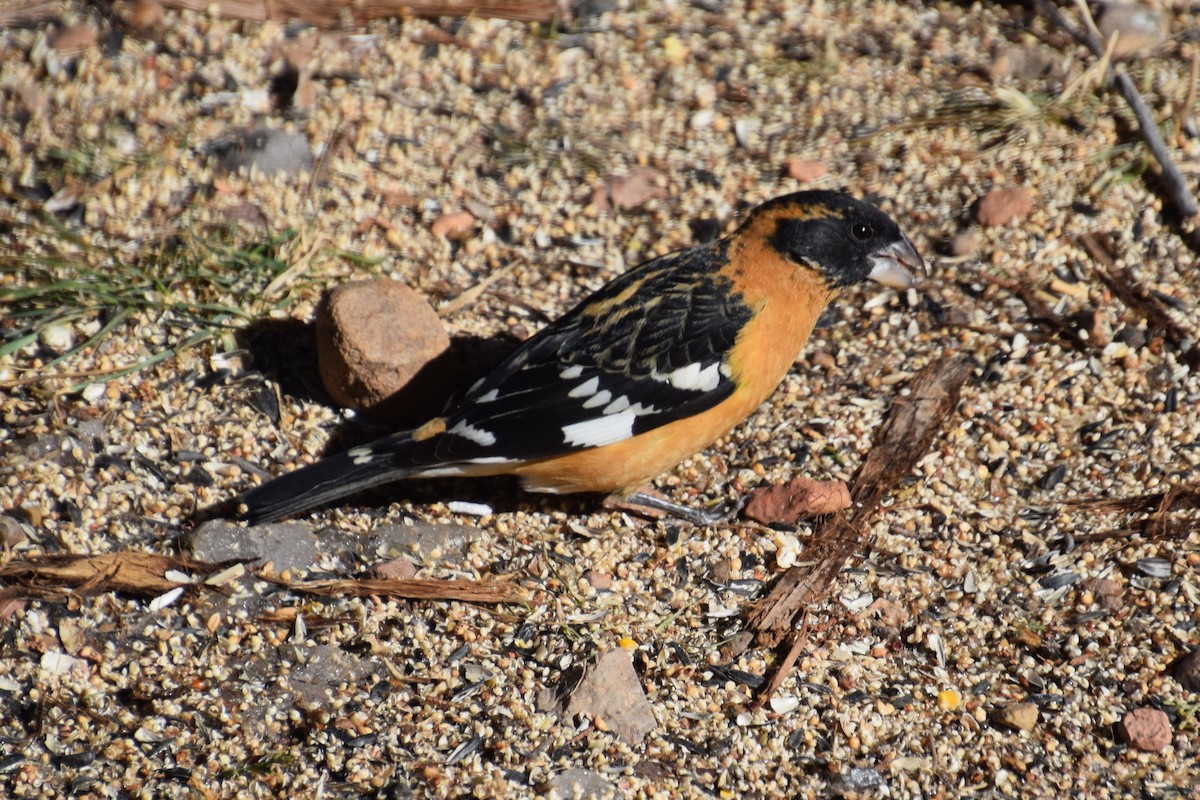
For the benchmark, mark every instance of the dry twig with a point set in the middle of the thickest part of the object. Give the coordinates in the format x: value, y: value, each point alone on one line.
x: 144, y: 574
x: 414, y: 589
x: 28, y: 13
x: 1157, y: 508
x: 329, y: 13
x: 127, y: 571
x: 1177, y: 498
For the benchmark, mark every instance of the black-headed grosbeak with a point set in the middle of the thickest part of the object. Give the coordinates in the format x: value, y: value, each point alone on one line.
x: 649, y: 369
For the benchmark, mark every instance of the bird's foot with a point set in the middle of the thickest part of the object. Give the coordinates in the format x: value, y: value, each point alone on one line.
x: 647, y: 502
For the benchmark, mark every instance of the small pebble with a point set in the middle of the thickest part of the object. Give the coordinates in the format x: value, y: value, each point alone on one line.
x: 797, y: 499
x: 805, y: 171
x: 57, y: 337
x: 1147, y: 729
x: 454, y: 225
x: 1028, y: 63
x: 599, y: 580
x: 1106, y: 593
x: 380, y: 348
x: 633, y: 190
x: 396, y: 569
x: 146, y: 14
x: 1002, y: 205
x: 1018, y: 716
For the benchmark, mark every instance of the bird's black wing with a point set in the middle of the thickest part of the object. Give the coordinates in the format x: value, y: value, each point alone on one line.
x: 650, y: 347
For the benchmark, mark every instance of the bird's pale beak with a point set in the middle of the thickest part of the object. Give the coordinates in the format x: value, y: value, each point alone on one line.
x: 894, y: 265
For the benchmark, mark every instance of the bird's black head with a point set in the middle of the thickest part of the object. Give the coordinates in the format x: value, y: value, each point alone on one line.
x: 846, y: 240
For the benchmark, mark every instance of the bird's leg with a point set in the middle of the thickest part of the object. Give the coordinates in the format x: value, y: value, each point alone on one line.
x: 648, y: 500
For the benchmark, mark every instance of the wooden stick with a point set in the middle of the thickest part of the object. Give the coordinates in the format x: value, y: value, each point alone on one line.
x: 414, y: 589
x: 328, y: 13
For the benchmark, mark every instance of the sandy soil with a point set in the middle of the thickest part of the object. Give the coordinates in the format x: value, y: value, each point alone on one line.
x: 989, y: 581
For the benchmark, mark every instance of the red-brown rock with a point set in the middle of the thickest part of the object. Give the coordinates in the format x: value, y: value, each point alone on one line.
x: 1000, y: 206
x: 805, y: 171
x: 454, y: 225
x: 1106, y: 592
x: 396, y: 569
x: 634, y: 190
x: 383, y: 350
x: 599, y: 580
x: 1146, y: 729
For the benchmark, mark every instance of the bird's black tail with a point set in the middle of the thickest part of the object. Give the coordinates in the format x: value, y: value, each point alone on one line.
x: 330, y: 478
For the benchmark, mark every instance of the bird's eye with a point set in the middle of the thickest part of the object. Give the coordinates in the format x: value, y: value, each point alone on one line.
x: 862, y: 231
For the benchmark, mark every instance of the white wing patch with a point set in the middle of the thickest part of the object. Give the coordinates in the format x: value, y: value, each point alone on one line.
x: 598, y: 399
x: 361, y: 455
x: 571, y: 373
x: 586, y: 389
x: 616, y: 406
x: 476, y: 435
x: 600, y: 431
x: 612, y: 427
x: 692, y: 377
x: 489, y: 397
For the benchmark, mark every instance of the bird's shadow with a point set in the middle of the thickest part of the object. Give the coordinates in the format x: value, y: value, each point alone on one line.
x: 285, y: 364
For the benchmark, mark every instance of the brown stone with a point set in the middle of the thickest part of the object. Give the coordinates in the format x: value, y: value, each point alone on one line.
x: 1146, y: 729
x: 1033, y: 62
x: 1106, y: 592
x: 634, y: 190
x: 598, y: 580
x: 146, y: 14
x: 396, y: 569
x: 1018, y: 716
x: 791, y: 502
x: 1000, y: 206
x: 454, y: 225
x: 383, y: 350
x: 805, y: 171
x: 888, y: 613
x: 721, y: 572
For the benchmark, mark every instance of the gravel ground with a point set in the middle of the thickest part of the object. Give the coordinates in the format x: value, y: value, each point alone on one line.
x: 986, y: 587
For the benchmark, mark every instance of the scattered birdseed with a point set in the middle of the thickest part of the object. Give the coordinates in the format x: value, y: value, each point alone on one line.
x: 630, y: 130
